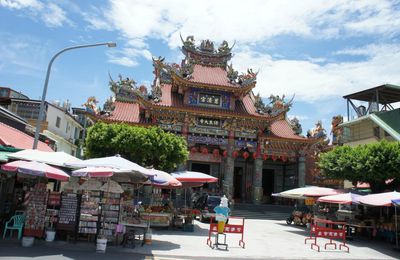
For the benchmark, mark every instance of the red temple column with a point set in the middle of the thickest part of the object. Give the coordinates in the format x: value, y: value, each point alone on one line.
x: 229, y: 167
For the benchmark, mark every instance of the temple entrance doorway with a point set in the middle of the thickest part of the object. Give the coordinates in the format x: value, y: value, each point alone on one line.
x: 268, y: 183
x: 201, y: 167
x: 237, y: 183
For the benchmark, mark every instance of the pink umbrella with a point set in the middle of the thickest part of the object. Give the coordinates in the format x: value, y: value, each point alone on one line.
x: 304, y: 192
x: 193, y: 177
x: 380, y: 199
x: 345, y: 198
x: 94, y: 172
x: 163, y: 179
x: 36, y: 169
x: 115, y: 173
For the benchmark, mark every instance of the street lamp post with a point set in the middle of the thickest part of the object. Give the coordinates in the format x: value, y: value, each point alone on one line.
x: 41, y: 109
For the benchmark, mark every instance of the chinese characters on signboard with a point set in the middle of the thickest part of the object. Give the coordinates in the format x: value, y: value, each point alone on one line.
x: 209, y: 99
x: 209, y: 122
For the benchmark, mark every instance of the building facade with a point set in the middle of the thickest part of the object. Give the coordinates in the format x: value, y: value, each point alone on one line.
x: 374, y: 118
x: 250, y: 146
x: 61, y: 129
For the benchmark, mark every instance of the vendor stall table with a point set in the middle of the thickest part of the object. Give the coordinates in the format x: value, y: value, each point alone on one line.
x: 134, y: 232
x: 157, y: 219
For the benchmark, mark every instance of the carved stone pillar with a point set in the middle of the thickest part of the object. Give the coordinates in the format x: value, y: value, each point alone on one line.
x: 302, y: 170
x: 257, y: 181
x: 229, y: 168
x: 185, y: 127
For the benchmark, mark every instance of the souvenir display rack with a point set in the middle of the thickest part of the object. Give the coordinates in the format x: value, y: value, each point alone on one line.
x: 109, y: 214
x: 127, y: 213
x: 89, y: 213
x: 69, y: 212
x: 35, y: 202
x: 52, y: 212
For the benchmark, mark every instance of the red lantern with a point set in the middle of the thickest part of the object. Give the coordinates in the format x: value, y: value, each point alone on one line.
x: 265, y: 157
x: 245, y: 155
x: 225, y: 153
x: 235, y: 154
x: 193, y: 150
x: 216, y: 153
x: 274, y: 157
x: 255, y: 155
x: 283, y: 158
x: 204, y: 151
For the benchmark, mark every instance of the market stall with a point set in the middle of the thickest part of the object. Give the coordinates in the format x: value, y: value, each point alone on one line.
x: 39, y: 205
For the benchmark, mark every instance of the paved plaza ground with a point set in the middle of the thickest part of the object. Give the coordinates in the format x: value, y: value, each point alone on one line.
x: 265, y: 239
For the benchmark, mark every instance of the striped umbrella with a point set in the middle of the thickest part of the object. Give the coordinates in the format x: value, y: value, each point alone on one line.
x: 36, y: 169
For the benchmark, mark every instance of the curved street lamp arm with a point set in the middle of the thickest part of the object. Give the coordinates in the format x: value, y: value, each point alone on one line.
x: 41, y: 109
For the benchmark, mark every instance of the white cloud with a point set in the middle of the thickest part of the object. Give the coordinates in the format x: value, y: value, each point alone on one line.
x: 54, y: 16
x: 23, y: 55
x: 20, y: 4
x: 254, y: 21
x: 299, y: 117
x: 311, y: 82
x: 51, y: 14
x: 253, y: 24
x: 128, y: 56
x: 124, y: 61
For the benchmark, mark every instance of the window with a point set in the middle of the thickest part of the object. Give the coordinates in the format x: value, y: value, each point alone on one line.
x: 67, y: 128
x: 58, y: 122
x: 377, y: 132
x: 76, y: 133
x: 387, y: 134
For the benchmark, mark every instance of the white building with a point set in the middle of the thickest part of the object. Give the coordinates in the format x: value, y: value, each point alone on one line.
x: 64, y: 128
x: 60, y: 126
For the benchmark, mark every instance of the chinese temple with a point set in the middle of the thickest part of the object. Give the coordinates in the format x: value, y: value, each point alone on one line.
x: 231, y: 134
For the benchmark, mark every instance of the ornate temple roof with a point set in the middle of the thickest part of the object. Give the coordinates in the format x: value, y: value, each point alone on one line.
x: 283, y: 129
x: 125, y: 112
x: 211, y: 75
x: 177, y: 89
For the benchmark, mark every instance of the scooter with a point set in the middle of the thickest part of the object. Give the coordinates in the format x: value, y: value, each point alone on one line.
x: 298, y: 218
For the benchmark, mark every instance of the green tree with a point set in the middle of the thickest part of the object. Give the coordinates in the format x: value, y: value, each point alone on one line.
x: 145, y: 146
x: 373, y: 163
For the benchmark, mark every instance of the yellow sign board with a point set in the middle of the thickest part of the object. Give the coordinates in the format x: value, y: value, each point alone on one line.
x: 309, y: 201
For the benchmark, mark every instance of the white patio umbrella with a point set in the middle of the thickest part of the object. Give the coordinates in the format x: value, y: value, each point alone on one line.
x: 53, y: 158
x: 114, y: 173
x: 112, y: 161
x: 305, y: 192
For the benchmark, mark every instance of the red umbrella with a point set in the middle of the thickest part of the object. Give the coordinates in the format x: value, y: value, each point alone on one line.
x: 36, y: 169
x: 193, y: 177
x: 380, y: 199
x: 345, y: 198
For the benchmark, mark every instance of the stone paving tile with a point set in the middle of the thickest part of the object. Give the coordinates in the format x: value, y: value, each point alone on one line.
x: 265, y: 239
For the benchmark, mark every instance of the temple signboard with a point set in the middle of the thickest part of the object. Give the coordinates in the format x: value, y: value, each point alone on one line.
x: 210, y: 99
x: 203, y: 121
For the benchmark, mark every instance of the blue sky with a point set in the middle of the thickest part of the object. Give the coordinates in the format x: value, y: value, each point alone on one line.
x: 317, y: 50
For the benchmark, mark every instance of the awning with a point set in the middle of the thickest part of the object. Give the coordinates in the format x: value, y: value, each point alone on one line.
x: 53, y: 158
x: 5, y: 151
x: 10, y: 136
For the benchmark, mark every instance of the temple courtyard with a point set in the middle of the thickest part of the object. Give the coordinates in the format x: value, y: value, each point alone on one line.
x: 264, y: 238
